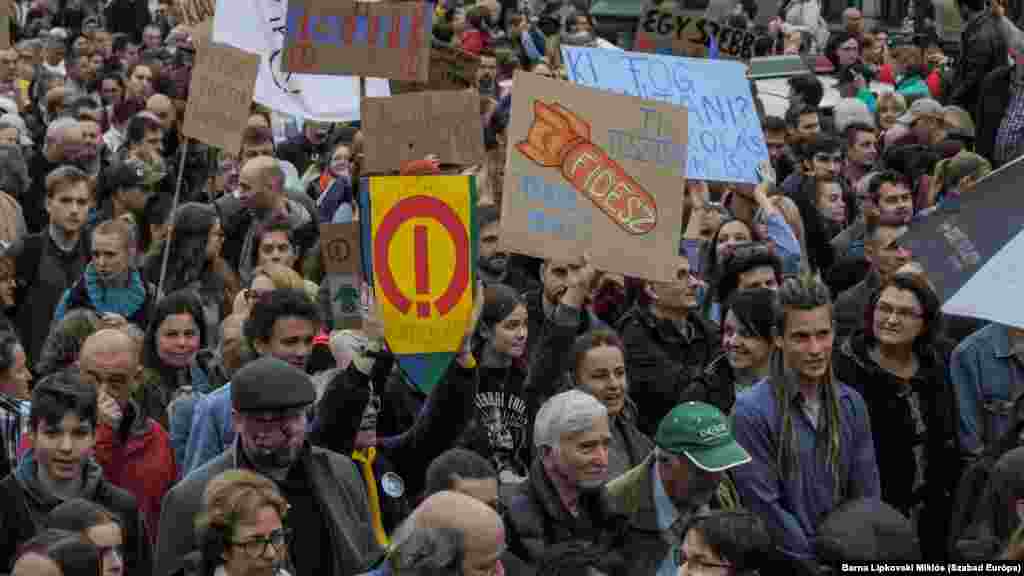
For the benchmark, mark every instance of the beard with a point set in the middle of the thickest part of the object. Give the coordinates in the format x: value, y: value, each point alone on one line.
x: 275, y: 458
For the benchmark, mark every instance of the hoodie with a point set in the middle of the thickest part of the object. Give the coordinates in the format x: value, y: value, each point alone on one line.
x: 26, y: 503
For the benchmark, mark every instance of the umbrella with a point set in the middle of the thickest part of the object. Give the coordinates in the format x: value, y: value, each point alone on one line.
x: 973, y: 249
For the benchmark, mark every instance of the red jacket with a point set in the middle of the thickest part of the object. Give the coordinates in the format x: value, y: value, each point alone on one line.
x: 144, y: 466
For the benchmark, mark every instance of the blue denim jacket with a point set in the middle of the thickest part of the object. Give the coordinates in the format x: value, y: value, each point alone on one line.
x: 797, y: 505
x: 212, y: 430
x: 181, y: 418
x: 982, y: 374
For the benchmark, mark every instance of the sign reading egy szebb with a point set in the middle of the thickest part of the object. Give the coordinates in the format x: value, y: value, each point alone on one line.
x: 725, y: 139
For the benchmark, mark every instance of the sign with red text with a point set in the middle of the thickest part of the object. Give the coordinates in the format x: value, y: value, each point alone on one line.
x: 580, y: 179
x: 419, y: 243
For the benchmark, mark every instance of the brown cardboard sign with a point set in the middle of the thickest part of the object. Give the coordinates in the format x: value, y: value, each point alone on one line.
x: 5, y: 24
x: 579, y: 178
x: 407, y: 127
x: 450, y: 69
x: 339, y: 248
x: 345, y: 38
x: 223, y: 80
x: 688, y: 33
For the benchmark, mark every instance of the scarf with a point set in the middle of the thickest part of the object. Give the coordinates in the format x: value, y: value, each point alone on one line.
x: 125, y: 301
x: 366, y: 459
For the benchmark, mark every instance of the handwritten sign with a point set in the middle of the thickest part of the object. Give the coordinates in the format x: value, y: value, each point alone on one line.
x: 688, y: 33
x: 259, y: 26
x: 450, y: 69
x: 410, y: 126
x: 419, y: 242
x: 390, y: 40
x: 220, y: 95
x: 725, y: 139
x: 581, y: 179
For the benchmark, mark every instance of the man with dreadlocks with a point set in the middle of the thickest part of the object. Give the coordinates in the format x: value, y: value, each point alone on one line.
x: 808, y: 434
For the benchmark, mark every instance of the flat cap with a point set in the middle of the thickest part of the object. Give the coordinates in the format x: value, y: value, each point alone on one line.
x: 269, y: 384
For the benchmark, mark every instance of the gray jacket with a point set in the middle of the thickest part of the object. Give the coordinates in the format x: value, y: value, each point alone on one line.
x: 338, y: 486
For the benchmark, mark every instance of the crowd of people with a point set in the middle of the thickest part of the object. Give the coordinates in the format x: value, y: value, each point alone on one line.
x: 178, y: 394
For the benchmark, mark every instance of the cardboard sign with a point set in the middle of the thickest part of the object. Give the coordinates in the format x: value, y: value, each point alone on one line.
x: 420, y: 244
x: 258, y: 26
x: 410, y: 126
x: 340, y: 37
x: 579, y: 178
x: 725, y: 140
x: 220, y: 95
x: 5, y: 24
x: 688, y: 33
x: 973, y: 264
x: 450, y: 69
x: 339, y: 248
x: 346, y: 304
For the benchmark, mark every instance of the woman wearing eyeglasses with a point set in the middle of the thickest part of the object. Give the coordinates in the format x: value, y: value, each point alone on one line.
x: 97, y: 525
x: 241, y: 528
x: 897, y: 362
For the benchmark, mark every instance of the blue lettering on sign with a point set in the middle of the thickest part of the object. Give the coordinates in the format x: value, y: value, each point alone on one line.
x: 725, y: 141
x: 561, y: 216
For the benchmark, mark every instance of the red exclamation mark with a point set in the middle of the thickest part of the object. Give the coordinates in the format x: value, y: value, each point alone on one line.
x: 422, y: 269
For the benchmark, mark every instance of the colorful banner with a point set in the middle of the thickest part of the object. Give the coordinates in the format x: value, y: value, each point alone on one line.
x: 259, y: 26
x: 579, y: 179
x: 725, y: 140
x: 337, y: 37
x: 419, y: 240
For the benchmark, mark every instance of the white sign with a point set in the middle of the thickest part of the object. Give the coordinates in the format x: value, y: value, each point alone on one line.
x: 258, y: 26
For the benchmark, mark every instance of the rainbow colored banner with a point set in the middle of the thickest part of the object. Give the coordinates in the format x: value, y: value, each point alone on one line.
x: 383, y: 40
x: 419, y: 243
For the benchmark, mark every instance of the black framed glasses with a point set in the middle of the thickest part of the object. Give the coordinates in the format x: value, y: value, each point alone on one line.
x: 257, y: 547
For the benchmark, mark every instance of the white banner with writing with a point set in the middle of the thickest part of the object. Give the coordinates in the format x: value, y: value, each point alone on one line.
x: 258, y: 26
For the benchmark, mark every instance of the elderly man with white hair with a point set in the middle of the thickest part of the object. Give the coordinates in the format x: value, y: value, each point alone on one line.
x: 564, y: 499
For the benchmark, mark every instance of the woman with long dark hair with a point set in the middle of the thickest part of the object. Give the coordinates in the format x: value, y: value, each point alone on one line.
x: 173, y: 374
x: 57, y: 553
x: 95, y: 524
x: 897, y: 363
x: 195, y: 263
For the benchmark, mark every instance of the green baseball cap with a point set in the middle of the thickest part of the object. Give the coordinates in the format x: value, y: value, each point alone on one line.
x: 703, y: 434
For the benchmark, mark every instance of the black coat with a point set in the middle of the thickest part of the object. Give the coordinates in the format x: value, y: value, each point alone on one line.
x: 995, y: 97
x: 536, y: 519
x: 128, y: 17
x: 662, y: 364
x: 893, y: 428
x: 982, y: 50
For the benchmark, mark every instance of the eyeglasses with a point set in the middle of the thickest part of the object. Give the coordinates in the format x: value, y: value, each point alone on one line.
x: 287, y: 422
x: 696, y: 563
x: 886, y: 310
x: 257, y: 547
x: 253, y: 295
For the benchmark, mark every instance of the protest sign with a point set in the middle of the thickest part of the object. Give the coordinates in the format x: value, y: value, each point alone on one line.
x: 342, y: 261
x: 725, y: 139
x: 673, y: 30
x: 220, y: 96
x: 581, y: 179
x: 336, y: 37
x: 974, y: 265
x: 410, y: 126
x: 259, y: 26
x: 5, y: 24
x: 450, y: 69
x: 419, y: 241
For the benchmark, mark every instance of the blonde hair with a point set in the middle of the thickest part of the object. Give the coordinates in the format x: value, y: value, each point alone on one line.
x: 884, y: 99
x: 236, y: 496
x: 282, y: 277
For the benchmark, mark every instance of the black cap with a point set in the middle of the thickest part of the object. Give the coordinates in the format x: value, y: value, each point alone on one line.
x: 269, y: 384
x: 126, y: 174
